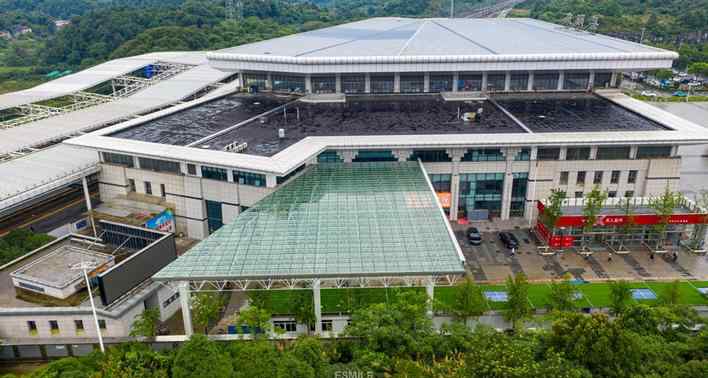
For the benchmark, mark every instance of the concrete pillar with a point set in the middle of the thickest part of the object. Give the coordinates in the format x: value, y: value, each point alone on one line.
x: 426, y: 82
x: 507, y: 81
x: 430, y: 291
x: 613, y: 80
x: 271, y: 181
x: 633, y: 151
x: 348, y: 155
x: 89, y: 208
x: 508, y: 183
x: 484, y: 82
x: 240, y: 80
x: 561, y: 79
x: 530, y: 83
x: 456, y: 156
x: 591, y: 80
x: 455, y: 81
x: 563, y: 153
x: 674, y: 151
x: 269, y: 81
x: 531, y: 190
x: 316, y: 304
x: 338, y: 84
x: 593, y: 152
x: 308, y: 83
x: 185, y: 301
x: 397, y: 82
x: 367, y: 82
x: 402, y: 154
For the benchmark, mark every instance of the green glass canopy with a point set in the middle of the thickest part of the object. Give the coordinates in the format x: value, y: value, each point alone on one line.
x: 334, y: 220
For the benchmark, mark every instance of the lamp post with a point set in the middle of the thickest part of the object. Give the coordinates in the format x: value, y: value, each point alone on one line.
x: 83, y: 266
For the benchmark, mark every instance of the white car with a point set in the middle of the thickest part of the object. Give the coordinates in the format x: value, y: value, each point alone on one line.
x: 648, y: 94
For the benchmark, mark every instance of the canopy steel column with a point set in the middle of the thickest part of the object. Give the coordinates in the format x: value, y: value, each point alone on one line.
x: 186, y: 310
x: 89, y: 208
x: 316, y: 304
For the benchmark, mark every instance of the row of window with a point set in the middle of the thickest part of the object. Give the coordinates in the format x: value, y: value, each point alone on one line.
x: 54, y: 327
x: 610, y: 194
x: 598, y: 177
x: 291, y: 325
x: 605, y: 153
x: 147, y: 188
x: 415, y: 83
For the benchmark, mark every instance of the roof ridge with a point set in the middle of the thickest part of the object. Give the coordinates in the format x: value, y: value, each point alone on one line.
x: 405, y: 45
x: 465, y: 37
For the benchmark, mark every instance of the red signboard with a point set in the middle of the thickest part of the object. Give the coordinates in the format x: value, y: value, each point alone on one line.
x: 641, y: 219
x: 567, y: 241
x: 540, y: 206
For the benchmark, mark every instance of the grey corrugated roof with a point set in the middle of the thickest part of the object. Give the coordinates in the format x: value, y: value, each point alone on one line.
x: 439, y: 36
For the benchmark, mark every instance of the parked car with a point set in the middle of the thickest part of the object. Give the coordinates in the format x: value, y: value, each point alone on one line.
x: 474, y: 236
x: 679, y: 94
x: 509, y: 240
x: 648, y: 94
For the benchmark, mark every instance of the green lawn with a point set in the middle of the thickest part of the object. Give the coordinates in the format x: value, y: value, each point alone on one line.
x: 594, y: 295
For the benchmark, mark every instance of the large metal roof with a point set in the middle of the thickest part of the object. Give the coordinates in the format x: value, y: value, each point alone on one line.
x: 42, y: 171
x: 334, y: 220
x: 156, y: 96
x: 436, y: 40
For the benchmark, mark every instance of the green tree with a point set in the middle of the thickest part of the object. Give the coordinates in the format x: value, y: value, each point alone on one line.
x: 310, y: 351
x: 620, y: 296
x: 200, y: 357
x: 664, y: 206
x: 253, y: 359
x: 626, y: 228
x: 206, y: 307
x: 561, y: 297
x: 671, y: 295
x: 662, y: 74
x: 134, y: 360
x: 146, y: 323
x: 698, y: 69
x: 517, y: 308
x: 469, y: 302
x: 301, y: 301
x: 554, y: 210
x: 591, y: 209
x: 256, y: 319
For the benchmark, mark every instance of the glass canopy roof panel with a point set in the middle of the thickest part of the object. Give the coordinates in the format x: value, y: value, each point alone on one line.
x: 335, y: 220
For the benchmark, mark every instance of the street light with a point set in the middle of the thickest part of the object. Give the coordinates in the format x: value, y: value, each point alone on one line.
x: 83, y: 266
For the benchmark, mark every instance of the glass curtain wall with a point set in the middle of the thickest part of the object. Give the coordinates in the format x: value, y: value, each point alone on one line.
x: 470, y: 82
x: 480, y: 191
x: 440, y: 83
x: 576, y: 80
x: 496, y: 82
x: 288, y: 83
x: 545, y: 81
x: 382, y: 84
x: 324, y: 84
x: 519, y: 82
x: 518, y: 194
x: 353, y: 83
x: 412, y: 84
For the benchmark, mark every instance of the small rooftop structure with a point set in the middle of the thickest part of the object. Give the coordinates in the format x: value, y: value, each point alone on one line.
x: 56, y: 274
x: 336, y: 220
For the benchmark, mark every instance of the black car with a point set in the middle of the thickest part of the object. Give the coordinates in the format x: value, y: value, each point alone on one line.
x: 509, y: 240
x: 474, y: 236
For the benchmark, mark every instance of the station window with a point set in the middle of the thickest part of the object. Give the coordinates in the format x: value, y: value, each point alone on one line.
x: 382, y: 84
x: 79, y: 325
x: 327, y: 325
x: 374, y: 155
x: 118, y: 159
x: 215, y: 216
x: 102, y: 324
x: 412, y: 84
x: 576, y: 80
x: 602, y: 80
x: 32, y: 327
x: 192, y: 169
x: 441, y: 182
x: 545, y: 81
x: 163, y: 193
x: 564, y: 178
x: 653, y: 152
x: 470, y: 82
x: 598, y: 177
x: 496, y: 82
x: 329, y: 156
x: 54, y: 327
x: 580, y: 180
x: 612, y: 194
x: 629, y: 194
x: 285, y: 325
x: 324, y: 84
x: 131, y: 185
x: 632, y: 177
x: 578, y: 194
x: 615, y: 178
x: 613, y: 153
x: 430, y: 156
x: 250, y: 178
x: 214, y: 173
x: 353, y: 83
x: 519, y: 82
x: 484, y: 154
x: 257, y: 80
x: 523, y: 155
x: 288, y: 83
x: 159, y: 165
x: 548, y: 153
x: 440, y: 83
x: 578, y: 153
x: 148, y: 187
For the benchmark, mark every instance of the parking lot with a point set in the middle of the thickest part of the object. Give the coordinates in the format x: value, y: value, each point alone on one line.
x: 492, y: 262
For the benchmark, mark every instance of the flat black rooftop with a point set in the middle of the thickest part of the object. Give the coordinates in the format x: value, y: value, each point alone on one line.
x: 366, y: 115
x: 579, y: 112
x: 192, y: 124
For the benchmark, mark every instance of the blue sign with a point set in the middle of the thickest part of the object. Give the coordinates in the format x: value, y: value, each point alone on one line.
x: 165, y: 221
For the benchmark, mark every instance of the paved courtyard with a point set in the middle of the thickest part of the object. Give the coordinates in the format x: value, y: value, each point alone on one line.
x: 492, y: 262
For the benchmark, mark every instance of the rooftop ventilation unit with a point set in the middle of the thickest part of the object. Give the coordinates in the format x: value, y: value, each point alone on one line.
x: 235, y: 147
